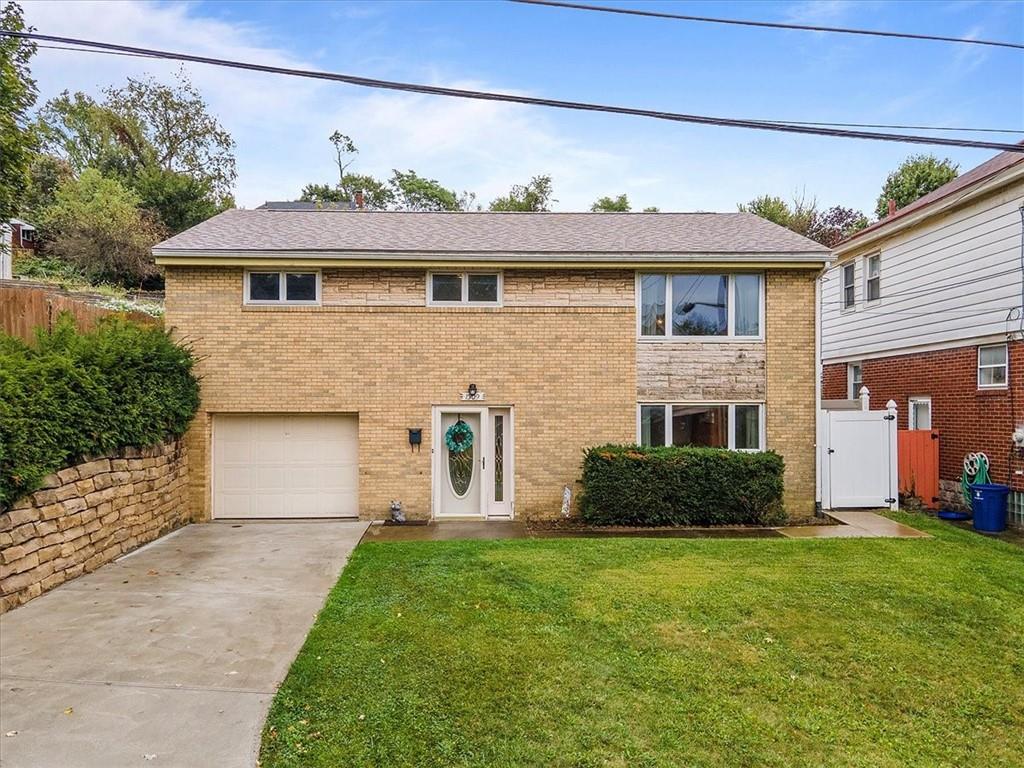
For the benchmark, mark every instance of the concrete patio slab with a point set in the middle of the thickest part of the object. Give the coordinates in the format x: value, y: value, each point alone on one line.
x: 174, y: 651
x: 856, y: 524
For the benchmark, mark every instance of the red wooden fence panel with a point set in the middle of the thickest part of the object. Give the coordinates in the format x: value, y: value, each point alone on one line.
x: 919, y: 464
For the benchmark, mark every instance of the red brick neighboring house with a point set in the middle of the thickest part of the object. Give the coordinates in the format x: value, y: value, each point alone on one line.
x: 925, y: 308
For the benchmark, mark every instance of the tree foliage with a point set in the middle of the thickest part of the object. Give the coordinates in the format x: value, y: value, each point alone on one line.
x: 804, y: 217
x: 96, y: 224
x: 916, y: 177
x: 142, y: 126
x: 46, y: 174
x: 74, y: 394
x: 608, y: 204
x: 536, y: 195
x: 17, y: 95
x: 377, y: 195
x: 417, y: 193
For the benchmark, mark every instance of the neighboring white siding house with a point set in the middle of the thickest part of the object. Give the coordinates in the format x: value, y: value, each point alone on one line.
x: 919, y: 285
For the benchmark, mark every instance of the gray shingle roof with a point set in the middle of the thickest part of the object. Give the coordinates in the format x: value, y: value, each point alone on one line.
x: 338, y: 232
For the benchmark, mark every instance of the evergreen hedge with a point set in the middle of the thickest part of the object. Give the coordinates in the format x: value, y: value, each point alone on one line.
x: 631, y: 485
x: 74, y: 394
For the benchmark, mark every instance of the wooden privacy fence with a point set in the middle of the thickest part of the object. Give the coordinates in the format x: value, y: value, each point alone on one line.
x: 919, y: 464
x: 27, y: 306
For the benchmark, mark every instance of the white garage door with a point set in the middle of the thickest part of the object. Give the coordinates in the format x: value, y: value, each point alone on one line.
x: 285, y: 466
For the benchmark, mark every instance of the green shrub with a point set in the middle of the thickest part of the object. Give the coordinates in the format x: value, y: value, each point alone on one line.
x: 78, y: 394
x: 630, y: 485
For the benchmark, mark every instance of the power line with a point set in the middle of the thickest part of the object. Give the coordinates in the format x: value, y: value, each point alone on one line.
x: 949, y: 128
x: 436, y: 90
x: 768, y: 24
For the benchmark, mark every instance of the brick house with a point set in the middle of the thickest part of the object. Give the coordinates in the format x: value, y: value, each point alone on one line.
x: 339, y: 350
x: 924, y: 308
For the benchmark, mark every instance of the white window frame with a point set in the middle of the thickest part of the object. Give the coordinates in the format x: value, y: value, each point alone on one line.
x: 284, y: 287
x: 852, y: 391
x: 867, y: 277
x: 24, y: 231
x: 762, y: 430
x: 1004, y: 365
x: 843, y: 285
x: 911, y: 413
x: 731, y: 309
x: 464, y: 276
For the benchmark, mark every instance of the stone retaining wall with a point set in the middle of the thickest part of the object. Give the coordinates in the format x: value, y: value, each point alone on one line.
x: 89, y: 514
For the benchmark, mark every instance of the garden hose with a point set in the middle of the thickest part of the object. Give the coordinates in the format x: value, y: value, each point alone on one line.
x: 975, y: 472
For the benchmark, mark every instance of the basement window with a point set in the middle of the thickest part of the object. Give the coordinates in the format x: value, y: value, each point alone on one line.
x: 993, y: 366
x: 737, y: 426
x: 282, y: 287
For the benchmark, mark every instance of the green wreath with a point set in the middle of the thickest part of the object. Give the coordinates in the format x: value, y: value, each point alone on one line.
x: 459, y: 437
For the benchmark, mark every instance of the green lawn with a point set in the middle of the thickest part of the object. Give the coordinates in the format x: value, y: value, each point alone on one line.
x: 645, y: 652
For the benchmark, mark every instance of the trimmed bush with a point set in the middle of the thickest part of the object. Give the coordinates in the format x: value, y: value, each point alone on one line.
x: 76, y: 394
x: 630, y: 485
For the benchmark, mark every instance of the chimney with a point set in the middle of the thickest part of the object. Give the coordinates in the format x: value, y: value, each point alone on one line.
x: 892, y: 206
x: 359, y: 199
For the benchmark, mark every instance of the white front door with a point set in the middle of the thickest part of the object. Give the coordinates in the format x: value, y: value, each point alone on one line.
x: 473, y: 462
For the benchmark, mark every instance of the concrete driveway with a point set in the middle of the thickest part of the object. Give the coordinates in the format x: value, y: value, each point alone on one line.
x: 169, y: 656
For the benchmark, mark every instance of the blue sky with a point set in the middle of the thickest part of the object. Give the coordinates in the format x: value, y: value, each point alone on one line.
x: 281, y: 124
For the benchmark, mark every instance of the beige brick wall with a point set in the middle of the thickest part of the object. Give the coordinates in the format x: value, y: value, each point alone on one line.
x: 89, y: 514
x: 700, y: 371
x: 789, y: 334
x: 569, y: 372
x: 562, y: 351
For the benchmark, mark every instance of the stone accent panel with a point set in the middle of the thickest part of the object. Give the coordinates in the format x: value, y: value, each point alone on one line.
x: 89, y: 514
x: 522, y: 288
x: 674, y: 371
x: 790, y: 369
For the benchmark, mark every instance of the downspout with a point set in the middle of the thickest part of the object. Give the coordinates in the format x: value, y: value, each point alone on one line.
x: 818, y: 370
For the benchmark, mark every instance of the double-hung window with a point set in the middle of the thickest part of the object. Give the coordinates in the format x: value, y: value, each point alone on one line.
x: 920, y: 413
x: 286, y: 287
x: 849, y: 288
x: 464, y: 289
x: 855, y: 377
x: 736, y: 426
x: 700, y: 305
x: 873, y: 277
x: 993, y: 366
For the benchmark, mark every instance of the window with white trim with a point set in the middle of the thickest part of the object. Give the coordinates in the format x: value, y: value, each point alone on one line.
x: 737, y: 426
x: 873, y: 277
x: 27, y: 235
x: 285, y: 287
x: 920, y: 412
x: 993, y: 366
x: 700, y: 305
x: 849, y: 287
x: 855, y: 378
x: 464, y: 289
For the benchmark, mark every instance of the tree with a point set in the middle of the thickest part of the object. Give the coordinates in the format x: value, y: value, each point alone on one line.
x: 46, y: 173
x: 377, y: 194
x: 916, y: 177
x: 618, y: 204
x: 836, y: 224
x: 343, y: 148
x: 96, y: 224
x: 180, y: 201
x: 142, y: 124
x: 17, y: 95
x: 417, y: 193
x: 804, y: 217
x: 652, y: 209
x: 533, y: 196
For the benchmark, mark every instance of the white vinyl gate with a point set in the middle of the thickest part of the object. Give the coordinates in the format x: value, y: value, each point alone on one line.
x: 859, y: 458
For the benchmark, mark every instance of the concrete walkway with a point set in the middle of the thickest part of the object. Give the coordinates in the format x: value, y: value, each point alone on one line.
x: 856, y: 524
x: 169, y: 656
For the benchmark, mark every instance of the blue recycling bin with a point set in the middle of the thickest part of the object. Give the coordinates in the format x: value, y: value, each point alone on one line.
x: 988, y: 502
